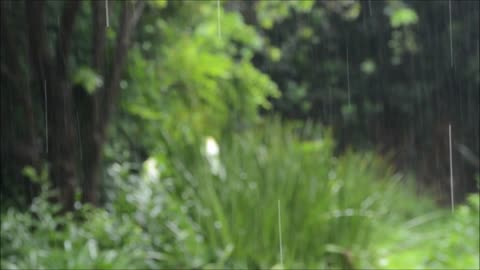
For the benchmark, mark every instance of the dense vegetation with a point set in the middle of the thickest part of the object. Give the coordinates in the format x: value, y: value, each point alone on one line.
x: 239, y: 134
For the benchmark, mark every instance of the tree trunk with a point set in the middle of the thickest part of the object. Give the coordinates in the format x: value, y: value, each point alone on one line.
x: 52, y: 77
x: 62, y: 143
x: 21, y: 147
x: 104, y: 99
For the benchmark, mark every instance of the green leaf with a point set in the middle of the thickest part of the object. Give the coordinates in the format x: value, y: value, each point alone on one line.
x: 353, y: 11
x: 403, y: 17
x: 88, y: 79
x: 275, y: 54
x: 30, y: 173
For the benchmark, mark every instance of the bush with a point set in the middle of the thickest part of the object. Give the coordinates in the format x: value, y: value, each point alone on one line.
x: 43, y: 239
x: 328, y: 204
x: 142, y: 228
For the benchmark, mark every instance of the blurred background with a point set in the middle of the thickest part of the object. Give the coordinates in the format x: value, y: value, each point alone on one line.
x: 214, y: 134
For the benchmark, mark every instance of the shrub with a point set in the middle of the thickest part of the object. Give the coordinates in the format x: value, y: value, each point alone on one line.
x: 328, y: 204
x: 42, y: 239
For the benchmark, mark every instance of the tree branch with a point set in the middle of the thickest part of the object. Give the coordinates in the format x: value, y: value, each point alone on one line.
x: 106, y: 97
x: 98, y: 41
x: 52, y: 77
x: 98, y: 60
x: 128, y: 21
x: 90, y: 109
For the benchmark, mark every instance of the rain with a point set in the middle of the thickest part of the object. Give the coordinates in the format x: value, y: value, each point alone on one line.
x: 232, y: 134
x: 450, y: 29
x: 219, y: 25
x: 106, y: 13
x: 46, y: 114
x: 452, y: 200
x: 348, y: 78
x: 280, y: 244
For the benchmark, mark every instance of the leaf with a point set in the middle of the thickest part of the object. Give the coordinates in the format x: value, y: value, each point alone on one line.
x: 353, y: 11
x: 403, y: 17
x: 88, y: 79
x: 144, y: 112
x: 30, y: 173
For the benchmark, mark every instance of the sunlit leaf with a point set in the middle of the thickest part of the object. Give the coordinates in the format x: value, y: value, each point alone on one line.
x: 87, y: 78
x: 403, y: 17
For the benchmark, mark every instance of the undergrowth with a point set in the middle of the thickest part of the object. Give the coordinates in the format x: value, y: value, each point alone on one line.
x: 216, y: 207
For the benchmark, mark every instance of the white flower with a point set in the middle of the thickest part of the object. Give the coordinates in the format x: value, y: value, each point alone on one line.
x: 151, y: 169
x: 211, y: 153
x: 211, y: 147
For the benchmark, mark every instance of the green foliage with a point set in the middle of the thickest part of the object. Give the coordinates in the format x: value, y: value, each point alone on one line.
x: 402, y: 17
x: 148, y: 200
x: 271, y: 12
x: 87, y: 78
x: 434, y: 241
x: 195, y: 82
x: 42, y: 239
x: 35, y: 176
x: 216, y: 207
x: 388, y: 44
x: 177, y: 198
x: 328, y: 204
x: 403, y: 40
x: 143, y: 228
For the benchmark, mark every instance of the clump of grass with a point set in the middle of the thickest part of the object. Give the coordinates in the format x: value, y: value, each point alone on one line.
x: 329, y: 204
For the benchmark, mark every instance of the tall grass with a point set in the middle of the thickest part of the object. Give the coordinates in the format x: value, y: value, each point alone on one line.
x: 328, y: 204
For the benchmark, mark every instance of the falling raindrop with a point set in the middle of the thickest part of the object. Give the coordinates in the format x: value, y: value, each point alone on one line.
x: 330, y: 101
x: 280, y: 234
x: 451, y: 165
x: 46, y: 114
x: 218, y: 20
x: 369, y: 7
x: 450, y: 32
x: 106, y: 13
x: 79, y: 135
x: 348, y: 79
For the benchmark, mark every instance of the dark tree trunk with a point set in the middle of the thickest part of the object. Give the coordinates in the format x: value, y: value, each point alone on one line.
x: 52, y: 77
x: 92, y: 138
x: 102, y: 103
x: 51, y: 70
x: 24, y: 151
